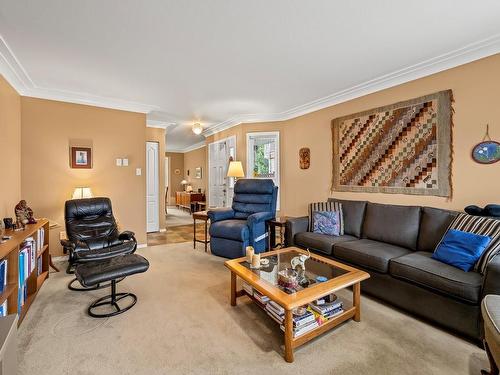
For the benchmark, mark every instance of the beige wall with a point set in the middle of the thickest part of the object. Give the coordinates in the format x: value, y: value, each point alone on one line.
x: 48, y: 128
x: 176, y: 162
x: 10, y: 149
x: 476, y: 90
x: 158, y: 135
x: 192, y: 160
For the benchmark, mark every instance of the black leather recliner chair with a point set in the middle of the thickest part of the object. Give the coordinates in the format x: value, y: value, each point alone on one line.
x: 92, y: 234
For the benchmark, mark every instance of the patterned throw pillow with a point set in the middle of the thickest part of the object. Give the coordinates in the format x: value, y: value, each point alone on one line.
x: 326, y: 222
x: 327, y: 206
x: 483, y: 226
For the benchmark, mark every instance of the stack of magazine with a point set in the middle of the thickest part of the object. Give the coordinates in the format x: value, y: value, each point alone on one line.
x: 327, y: 310
x: 275, y: 311
x: 303, y: 324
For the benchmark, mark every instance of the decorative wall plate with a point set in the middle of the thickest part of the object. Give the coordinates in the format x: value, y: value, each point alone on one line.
x: 486, y: 152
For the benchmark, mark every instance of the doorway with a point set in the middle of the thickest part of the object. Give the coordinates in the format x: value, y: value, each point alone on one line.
x: 152, y: 187
x: 220, y: 187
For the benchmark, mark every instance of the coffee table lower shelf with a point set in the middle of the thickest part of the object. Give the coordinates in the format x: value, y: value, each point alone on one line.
x: 294, y: 342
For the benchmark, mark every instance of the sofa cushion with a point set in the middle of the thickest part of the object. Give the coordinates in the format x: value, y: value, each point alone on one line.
x: 326, y: 222
x: 420, y: 268
x: 397, y: 225
x: 354, y: 213
x: 433, y: 225
x: 326, y: 206
x: 461, y: 249
x: 322, y: 243
x: 368, y: 253
x: 230, y: 229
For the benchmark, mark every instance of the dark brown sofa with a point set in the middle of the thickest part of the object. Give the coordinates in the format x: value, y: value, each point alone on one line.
x: 394, y: 244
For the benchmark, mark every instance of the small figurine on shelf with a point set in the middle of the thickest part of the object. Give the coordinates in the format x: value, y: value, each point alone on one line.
x: 24, y: 214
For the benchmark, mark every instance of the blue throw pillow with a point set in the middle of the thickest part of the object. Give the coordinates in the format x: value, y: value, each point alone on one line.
x: 461, y: 249
x: 326, y: 222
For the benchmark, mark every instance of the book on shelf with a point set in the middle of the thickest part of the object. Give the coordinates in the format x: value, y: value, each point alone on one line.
x: 276, y: 307
x: 41, y: 239
x: 27, y: 264
x: 263, y: 299
x: 325, y: 308
x: 276, y: 317
x: 304, y: 329
x: 3, y: 309
x: 39, y: 266
x: 3, y: 274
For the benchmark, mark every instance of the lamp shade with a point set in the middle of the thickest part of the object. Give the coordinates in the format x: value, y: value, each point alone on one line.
x: 235, y: 169
x: 184, y: 182
x: 82, y: 192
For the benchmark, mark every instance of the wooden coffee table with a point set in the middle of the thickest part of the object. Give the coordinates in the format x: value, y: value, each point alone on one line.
x: 338, y: 276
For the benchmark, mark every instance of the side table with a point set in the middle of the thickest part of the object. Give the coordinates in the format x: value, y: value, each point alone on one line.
x: 200, y: 215
x: 279, y: 222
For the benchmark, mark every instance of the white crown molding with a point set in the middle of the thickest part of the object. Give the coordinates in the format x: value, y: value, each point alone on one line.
x: 17, y: 76
x: 196, y: 146
x: 158, y: 124
x: 474, y: 51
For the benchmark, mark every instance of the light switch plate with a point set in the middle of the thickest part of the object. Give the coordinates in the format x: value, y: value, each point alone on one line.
x: 138, y: 171
x: 118, y: 162
x: 125, y: 162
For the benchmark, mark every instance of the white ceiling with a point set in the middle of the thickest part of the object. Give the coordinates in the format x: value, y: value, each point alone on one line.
x: 222, y: 62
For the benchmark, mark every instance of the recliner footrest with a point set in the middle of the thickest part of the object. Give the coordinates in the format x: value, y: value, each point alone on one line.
x: 89, y: 274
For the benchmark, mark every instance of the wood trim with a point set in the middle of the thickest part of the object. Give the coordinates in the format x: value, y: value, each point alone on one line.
x: 10, y: 250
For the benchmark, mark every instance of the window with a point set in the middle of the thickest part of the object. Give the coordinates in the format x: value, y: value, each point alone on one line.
x: 263, y: 157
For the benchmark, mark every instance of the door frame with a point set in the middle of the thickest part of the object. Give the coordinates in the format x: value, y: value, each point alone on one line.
x: 157, y: 183
x: 231, y: 137
x: 278, y: 159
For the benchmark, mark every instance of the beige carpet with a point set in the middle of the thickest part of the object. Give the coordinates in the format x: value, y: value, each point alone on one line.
x: 183, y: 324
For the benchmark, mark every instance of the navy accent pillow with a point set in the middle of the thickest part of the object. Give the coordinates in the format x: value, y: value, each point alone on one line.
x: 461, y: 249
x: 326, y: 222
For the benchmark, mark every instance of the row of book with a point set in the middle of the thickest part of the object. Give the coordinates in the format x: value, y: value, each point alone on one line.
x: 27, y: 263
x: 3, y: 309
x: 3, y: 284
x: 316, y: 313
x: 28, y: 260
x: 3, y: 274
x: 41, y: 239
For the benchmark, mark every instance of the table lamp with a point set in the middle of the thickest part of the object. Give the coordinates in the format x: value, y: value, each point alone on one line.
x: 235, y: 169
x: 184, y: 183
x: 82, y: 192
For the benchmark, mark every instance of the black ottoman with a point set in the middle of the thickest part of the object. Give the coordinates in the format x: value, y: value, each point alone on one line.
x: 112, y: 269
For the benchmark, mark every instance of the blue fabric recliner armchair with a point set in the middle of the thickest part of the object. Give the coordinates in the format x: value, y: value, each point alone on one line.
x: 244, y: 224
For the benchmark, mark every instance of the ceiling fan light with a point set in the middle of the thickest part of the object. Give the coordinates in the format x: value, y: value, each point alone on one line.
x: 197, y: 128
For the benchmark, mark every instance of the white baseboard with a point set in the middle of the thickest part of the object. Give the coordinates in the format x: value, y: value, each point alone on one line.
x: 141, y: 245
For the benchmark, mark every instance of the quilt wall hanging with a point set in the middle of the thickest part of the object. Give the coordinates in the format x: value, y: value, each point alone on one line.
x: 403, y: 148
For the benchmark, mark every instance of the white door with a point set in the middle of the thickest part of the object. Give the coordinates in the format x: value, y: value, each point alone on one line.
x: 220, y: 187
x: 152, y: 182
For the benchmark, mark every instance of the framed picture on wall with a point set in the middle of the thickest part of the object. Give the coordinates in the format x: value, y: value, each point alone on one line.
x: 197, y: 172
x: 81, y: 157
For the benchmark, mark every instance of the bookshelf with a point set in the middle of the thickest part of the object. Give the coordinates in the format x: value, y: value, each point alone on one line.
x: 10, y: 250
